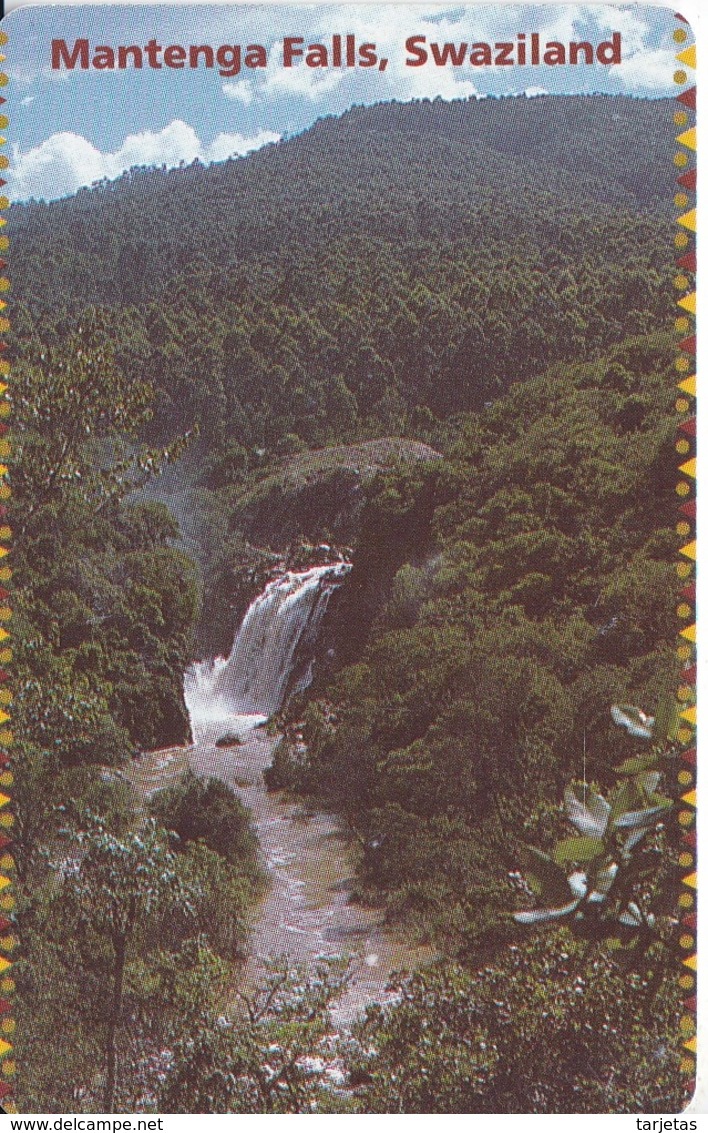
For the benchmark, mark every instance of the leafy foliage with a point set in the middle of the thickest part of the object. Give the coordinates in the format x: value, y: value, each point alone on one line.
x: 381, y: 274
x: 617, y: 890
x: 268, y: 1057
x: 536, y: 1030
x: 205, y: 810
x: 533, y: 612
x: 405, y: 274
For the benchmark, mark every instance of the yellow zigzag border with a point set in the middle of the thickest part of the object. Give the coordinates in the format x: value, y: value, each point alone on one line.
x: 685, y: 447
x: 7, y: 900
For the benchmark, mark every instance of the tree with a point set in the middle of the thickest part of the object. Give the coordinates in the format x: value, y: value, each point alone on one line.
x: 206, y: 810
x: 268, y: 1057
x: 118, y: 882
x: 616, y: 891
x: 538, y: 1029
x: 77, y: 412
x: 68, y: 397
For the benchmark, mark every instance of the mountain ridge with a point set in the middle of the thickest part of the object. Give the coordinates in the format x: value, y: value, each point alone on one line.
x: 451, y: 166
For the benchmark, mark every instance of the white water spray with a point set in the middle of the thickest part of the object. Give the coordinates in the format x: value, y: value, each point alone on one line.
x: 251, y: 683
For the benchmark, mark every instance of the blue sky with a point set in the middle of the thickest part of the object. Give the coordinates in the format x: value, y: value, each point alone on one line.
x: 71, y: 128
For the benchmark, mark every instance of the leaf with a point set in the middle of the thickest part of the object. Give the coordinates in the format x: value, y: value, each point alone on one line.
x: 578, y: 850
x: 539, y: 916
x: 632, y: 916
x: 547, y: 879
x: 634, y: 720
x: 604, y: 881
x: 578, y: 884
x: 633, y: 840
x: 637, y: 764
x: 589, y: 817
x: 626, y: 797
x: 636, y: 818
x: 667, y: 717
x: 662, y: 801
x: 649, y: 781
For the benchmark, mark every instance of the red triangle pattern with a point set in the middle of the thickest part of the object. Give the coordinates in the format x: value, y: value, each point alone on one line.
x: 688, y: 98
x: 688, y: 263
x: 688, y: 180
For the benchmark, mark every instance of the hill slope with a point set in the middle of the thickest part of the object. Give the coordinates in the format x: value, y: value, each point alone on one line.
x: 372, y: 276
x: 416, y: 171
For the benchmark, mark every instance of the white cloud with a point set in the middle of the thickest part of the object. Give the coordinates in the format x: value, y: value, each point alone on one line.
x: 64, y: 162
x: 646, y: 70
x: 235, y: 145
x: 391, y: 27
x: 309, y: 82
x: 534, y: 92
x: 391, y: 24
x: 388, y: 25
x: 633, y: 28
x: 27, y: 100
x: 242, y: 91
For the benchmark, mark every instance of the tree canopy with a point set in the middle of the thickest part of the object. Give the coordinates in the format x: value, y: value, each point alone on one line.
x: 437, y: 335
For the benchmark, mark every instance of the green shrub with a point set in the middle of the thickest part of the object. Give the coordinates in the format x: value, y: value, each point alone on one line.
x: 205, y: 810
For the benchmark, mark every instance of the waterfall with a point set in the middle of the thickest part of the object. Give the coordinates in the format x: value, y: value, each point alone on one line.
x: 280, y: 624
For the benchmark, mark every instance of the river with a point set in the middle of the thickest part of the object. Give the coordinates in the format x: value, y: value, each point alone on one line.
x: 308, y: 911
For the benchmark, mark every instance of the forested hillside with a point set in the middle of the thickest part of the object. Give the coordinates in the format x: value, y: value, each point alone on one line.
x: 400, y: 262
x: 467, y: 306
x: 419, y: 174
x: 542, y: 594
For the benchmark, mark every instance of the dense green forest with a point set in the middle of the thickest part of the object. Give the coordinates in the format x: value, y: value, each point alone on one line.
x: 542, y: 595
x: 375, y: 275
x: 489, y: 279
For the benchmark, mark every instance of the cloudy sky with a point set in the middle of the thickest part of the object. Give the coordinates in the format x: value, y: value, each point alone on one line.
x: 70, y: 128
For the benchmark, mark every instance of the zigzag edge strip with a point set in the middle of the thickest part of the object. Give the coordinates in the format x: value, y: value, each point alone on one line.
x: 8, y: 939
x: 685, y: 447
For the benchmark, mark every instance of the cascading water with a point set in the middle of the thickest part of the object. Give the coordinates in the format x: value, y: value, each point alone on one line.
x: 309, y: 911
x: 251, y: 683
